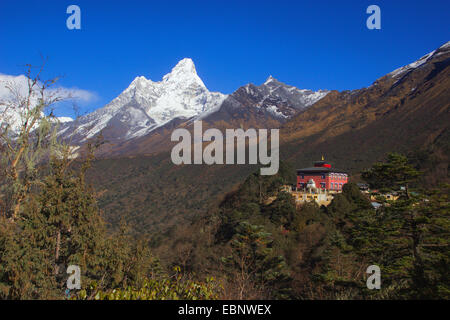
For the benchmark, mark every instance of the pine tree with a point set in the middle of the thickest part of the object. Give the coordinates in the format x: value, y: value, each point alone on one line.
x: 391, y: 175
x: 282, y: 210
x: 253, y: 266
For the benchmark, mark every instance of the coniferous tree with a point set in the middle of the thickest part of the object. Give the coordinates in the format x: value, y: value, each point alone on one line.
x: 254, y: 267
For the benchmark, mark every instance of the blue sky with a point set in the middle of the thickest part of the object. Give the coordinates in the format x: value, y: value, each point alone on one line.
x: 308, y: 44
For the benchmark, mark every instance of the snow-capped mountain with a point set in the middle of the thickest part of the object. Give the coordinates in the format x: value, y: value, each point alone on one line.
x: 272, y: 95
x: 418, y: 63
x: 273, y: 100
x: 146, y: 105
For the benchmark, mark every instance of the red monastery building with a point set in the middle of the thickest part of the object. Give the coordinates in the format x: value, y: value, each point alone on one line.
x: 323, y: 175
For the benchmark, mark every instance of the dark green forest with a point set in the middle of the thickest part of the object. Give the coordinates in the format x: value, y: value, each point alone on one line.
x: 256, y: 244
x: 248, y: 240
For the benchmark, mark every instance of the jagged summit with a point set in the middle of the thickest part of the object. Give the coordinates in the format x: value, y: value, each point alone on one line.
x: 183, y: 71
x: 146, y: 105
x: 269, y: 79
x: 185, y: 65
x: 276, y: 99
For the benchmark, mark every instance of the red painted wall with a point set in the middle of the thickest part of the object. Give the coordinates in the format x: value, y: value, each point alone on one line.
x: 329, y: 179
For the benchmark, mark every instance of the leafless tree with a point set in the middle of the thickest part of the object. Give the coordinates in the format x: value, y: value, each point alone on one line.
x: 27, y: 136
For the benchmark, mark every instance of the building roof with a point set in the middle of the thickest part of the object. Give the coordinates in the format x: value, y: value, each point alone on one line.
x: 322, y: 163
x: 320, y: 170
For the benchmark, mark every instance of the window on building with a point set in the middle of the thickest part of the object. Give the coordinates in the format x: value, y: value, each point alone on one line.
x: 323, y: 175
x: 340, y: 185
x: 322, y: 185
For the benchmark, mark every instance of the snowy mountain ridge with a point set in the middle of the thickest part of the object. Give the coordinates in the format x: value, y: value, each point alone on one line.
x: 418, y: 63
x: 146, y: 105
x: 279, y: 100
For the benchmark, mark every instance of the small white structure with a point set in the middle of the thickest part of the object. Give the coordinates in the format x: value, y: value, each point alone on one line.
x: 312, y: 193
x: 311, y: 185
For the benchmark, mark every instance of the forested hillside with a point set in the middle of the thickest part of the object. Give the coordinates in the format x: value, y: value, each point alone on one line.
x: 268, y: 248
x: 407, y: 111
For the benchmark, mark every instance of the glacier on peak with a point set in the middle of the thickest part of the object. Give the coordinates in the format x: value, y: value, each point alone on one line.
x: 299, y: 98
x: 184, y: 70
x: 146, y: 105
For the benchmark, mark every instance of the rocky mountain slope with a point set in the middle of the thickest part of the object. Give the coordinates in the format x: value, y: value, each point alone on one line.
x: 272, y: 99
x: 140, y: 119
x: 408, y: 109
